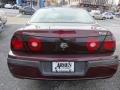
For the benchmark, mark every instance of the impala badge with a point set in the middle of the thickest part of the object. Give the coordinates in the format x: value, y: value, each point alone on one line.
x: 63, y: 45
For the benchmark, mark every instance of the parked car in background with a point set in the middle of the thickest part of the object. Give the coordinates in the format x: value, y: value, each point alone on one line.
x: 98, y: 16
x: 108, y: 15
x: 3, y: 17
x: 27, y: 10
x: 62, y: 44
x: 94, y: 11
x: 16, y: 6
x: 3, y: 20
x: 8, y: 6
x: 117, y: 14
x: 2, y: 5
x: 1, y: 26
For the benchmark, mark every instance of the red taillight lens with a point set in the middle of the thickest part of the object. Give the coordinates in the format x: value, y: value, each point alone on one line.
x: 34, y: 44
x: 17, y: 43
x: 92, y: 45
x: 108, y: 45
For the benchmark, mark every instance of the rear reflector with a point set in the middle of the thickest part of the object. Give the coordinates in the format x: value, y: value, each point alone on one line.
x: 92, y: 45
x: 34, y: 44
x: 17, y: 43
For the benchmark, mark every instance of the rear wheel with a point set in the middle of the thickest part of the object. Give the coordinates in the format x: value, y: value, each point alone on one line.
x: 23, y: 13
x: 104, y: 18
x: 111, y: 17
x: 4, y: 23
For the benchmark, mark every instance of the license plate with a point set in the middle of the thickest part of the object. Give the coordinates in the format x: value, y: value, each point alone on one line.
x: 62, y: 66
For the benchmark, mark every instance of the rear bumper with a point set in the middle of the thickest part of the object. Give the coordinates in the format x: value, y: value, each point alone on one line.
x: 31, y: 69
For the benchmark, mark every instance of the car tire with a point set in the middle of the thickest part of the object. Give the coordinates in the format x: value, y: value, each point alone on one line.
x: 4, y: 23
x: 111, y: 17
x: 14, y: 8
x: 104, y: 18
x: 23, y: 13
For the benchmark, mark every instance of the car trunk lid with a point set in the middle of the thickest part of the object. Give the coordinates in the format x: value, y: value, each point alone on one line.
x: 63, y: 41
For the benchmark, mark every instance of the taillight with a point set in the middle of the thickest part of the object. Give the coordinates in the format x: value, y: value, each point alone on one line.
x: 17, y: 43
x: 34, y: 44
x: 109, y: 43
x: 92, y: 45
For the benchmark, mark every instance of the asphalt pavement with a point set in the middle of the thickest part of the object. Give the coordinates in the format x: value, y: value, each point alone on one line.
x: 8, y: 82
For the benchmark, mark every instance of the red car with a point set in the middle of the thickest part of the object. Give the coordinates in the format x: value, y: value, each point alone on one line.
x: 62, y: 44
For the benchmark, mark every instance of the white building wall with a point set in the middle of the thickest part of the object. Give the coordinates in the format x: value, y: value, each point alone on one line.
x: 114, y: 2
x: 94, y: 2
x: 74, y: 2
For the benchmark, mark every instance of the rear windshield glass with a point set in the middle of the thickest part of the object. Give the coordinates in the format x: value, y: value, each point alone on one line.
x: 62, y: 15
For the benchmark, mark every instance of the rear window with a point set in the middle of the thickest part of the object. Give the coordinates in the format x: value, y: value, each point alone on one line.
x: 62, y: 15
